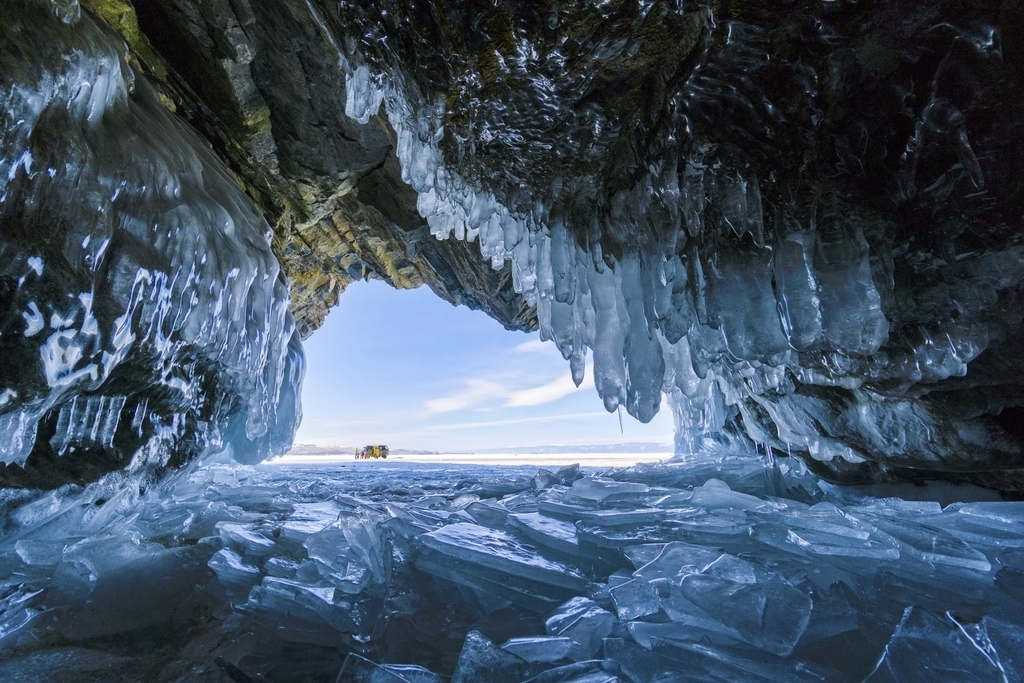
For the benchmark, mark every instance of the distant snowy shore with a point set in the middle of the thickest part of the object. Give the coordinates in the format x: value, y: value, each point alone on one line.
x: 627, y: 448
x: 545, y: 459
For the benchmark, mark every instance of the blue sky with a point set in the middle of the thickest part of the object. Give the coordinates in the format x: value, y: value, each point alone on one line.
x: 407, y: 369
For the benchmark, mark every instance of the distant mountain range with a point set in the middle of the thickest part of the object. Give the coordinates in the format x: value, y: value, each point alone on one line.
x: 634, y: 447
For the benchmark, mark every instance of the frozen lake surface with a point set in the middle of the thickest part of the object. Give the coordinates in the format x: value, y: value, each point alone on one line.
x: 588, y: 461
x: 734, y: 569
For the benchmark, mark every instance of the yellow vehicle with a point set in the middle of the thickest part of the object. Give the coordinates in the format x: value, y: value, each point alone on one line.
x: 373, y: 452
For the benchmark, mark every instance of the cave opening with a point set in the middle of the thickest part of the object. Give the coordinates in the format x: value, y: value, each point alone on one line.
x: 447, y: 384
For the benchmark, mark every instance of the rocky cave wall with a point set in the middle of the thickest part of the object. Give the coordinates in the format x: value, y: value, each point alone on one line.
x: 801, y: 221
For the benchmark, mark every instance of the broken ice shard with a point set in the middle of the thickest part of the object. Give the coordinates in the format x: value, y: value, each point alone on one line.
x: 771, y: 614
x: 232, y: 570
x: 584, y: 622
x: 547, y: 531
x: 634, y: 599
x: 594, y: 488
x: 493, y: 550
x: 539, y: 649
x: 482, y: 660
x: 358, y: 669
x: 927, y: 645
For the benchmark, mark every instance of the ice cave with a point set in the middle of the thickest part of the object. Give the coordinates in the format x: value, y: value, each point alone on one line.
x: 797, y: 225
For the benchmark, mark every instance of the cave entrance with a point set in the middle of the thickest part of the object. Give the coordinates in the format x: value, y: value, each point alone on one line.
x: 440, y: 383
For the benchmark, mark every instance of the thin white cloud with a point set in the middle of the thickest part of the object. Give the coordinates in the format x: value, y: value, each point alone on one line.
x: 535, y: 346
x: 539, y: 419
x: 546, y: 393
x: 476, y: 391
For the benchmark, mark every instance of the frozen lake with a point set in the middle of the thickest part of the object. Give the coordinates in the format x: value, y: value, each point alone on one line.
x: 728, y: 569
x: 528, y: 460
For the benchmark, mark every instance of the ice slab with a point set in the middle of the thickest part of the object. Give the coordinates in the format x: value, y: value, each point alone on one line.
x: 40, y: 553
x: 547, y: 531
x: 726, y: 527
x: 232, y: 570
x: 488, y: 514
x: 928, y: 646
x: 825, y: 543
x: 358, y: 669
x: 685, y: 626
x: 496, y: 587
x: 557, y: 507
x: 308, y: 518
x: 621, y: 517
x: 770, y: 615
x: 715, y: 494
x: 482, y: 660
x: 539, y: 649
x: 599, y: 489
x: 246, y: 541
x: 634, y: 599
x: 925, y: 542
x: 641, y: 554
x: 675, y: 560
x: 583, y: 621
x: 494, y: 549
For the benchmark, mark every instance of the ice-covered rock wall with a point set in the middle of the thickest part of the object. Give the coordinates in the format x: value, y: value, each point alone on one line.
x: 145, y: 320
x: 800, y: 221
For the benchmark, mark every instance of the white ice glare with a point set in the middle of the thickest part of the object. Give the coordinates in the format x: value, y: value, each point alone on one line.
x: 34, y: 322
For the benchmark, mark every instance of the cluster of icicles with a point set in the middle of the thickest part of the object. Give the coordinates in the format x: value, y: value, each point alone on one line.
x: 706, y: 332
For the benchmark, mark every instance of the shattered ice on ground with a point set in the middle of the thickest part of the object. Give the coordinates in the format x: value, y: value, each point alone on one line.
x: 725, y: 570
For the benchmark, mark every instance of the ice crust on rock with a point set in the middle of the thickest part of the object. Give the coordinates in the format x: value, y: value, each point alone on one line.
x: 753, y: 570
x: 149, y: 318
x: 754, y: 297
